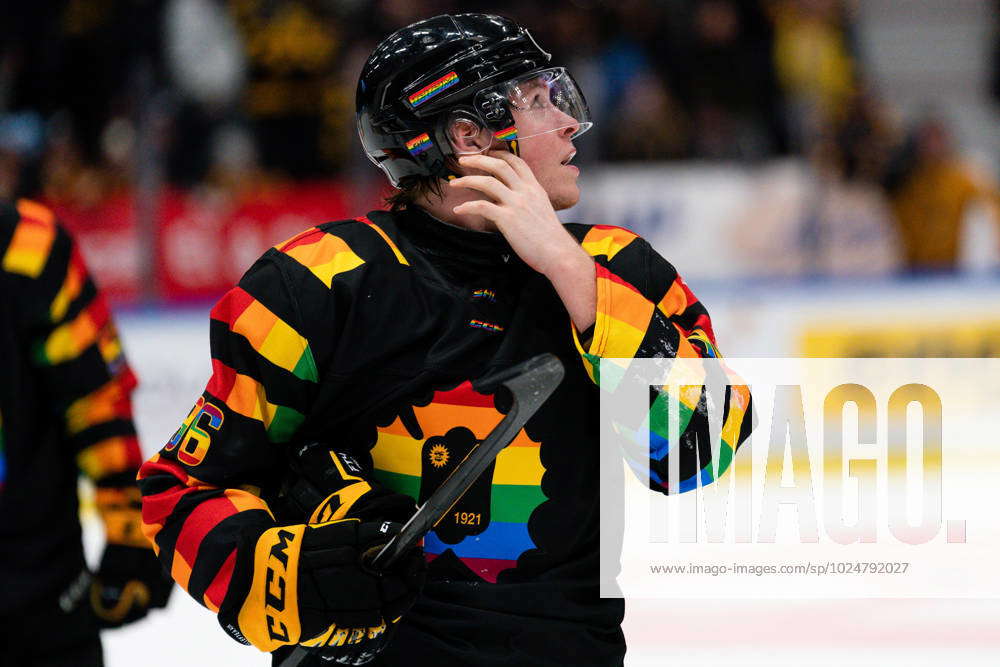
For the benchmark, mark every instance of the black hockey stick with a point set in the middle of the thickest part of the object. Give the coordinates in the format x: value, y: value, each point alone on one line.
x: 530, y: 384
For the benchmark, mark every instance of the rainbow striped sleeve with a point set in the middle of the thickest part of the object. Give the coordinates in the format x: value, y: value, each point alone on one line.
x: 270, y: 336
x: 245, y: 396
x: 643, y: 306
x: 263, y: 368
x: 70, y: 288
x: 75, y: 337
x: 195, y: 527
x: 79, y: 361
x: 644, y: 309
x: 201, y: 491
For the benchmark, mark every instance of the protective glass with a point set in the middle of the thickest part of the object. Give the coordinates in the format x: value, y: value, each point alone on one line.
x: 540, y: 102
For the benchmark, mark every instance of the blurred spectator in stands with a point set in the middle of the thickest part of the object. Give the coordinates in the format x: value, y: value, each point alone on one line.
x: 22, y: 125
x: 207, y: 63
x: 70, y: 69
x: 931, y: 189
x: 995, y: 82
x: 650, y: 126
x: 831, y: 219
x: 718, y: 60
x: 814, y: 57
x: 643, y: 121
x: 234, y: 162
x: 293, y: 99
x: 21, y: 140
x: 850, y: 230
x: 66, y: 177
x: 856, y: 143
x: 81, y: 56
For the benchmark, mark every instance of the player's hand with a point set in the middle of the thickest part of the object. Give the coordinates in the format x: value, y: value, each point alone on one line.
x: 325, y: 485
x: 309, y: 586
x: 520, y: 208
x: 350, y: 612
x: 129, y: 582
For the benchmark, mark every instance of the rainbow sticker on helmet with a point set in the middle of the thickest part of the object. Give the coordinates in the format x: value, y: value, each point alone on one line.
x: 418, y: 144
x: 432, y: 89
x: 489, y: 326
x: 506, y: 135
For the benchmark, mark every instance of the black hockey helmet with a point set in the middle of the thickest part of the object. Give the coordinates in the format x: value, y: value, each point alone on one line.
x: 473, y: 67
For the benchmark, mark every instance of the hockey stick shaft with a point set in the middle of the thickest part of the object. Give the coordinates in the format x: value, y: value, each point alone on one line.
x: 530, y: 383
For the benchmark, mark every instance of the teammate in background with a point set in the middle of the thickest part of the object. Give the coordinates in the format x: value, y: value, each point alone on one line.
x: 64, y: 408
x: 369, y: 335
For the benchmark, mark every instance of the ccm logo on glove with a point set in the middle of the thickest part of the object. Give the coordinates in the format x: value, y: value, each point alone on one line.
x: 308, y: 586
x: 274, y: 589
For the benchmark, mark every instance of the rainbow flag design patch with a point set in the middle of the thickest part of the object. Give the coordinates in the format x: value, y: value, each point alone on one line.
x: 419, y: 144
x: 506, y: 135
x: 432, y: 89
x: 491, y: 537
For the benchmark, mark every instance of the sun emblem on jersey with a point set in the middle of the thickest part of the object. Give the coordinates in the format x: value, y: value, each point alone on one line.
x: 438, y: 455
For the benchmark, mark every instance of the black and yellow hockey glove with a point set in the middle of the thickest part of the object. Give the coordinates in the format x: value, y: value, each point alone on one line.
x: 325, y: 485
x: 308, y: 586
x: 307, y: 582
x: 130, y: 580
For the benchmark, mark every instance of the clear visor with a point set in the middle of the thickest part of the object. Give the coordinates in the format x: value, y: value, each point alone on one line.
x: 540, y: 102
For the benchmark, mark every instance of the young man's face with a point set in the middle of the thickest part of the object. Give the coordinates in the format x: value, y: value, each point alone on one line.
x: 547, y: 146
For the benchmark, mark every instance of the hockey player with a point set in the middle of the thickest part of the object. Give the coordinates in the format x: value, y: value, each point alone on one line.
x: 369, y: 336
x: 64, y: 408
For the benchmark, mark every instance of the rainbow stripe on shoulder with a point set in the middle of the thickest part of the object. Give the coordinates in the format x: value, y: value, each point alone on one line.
x: 324, y: 254
x: 385, y: 237
x: 31, y: 243
x: 607, y: 240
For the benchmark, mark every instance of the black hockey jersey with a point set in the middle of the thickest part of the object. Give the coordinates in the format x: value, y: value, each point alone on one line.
x: 64, y: 408
x: 369, y: 334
